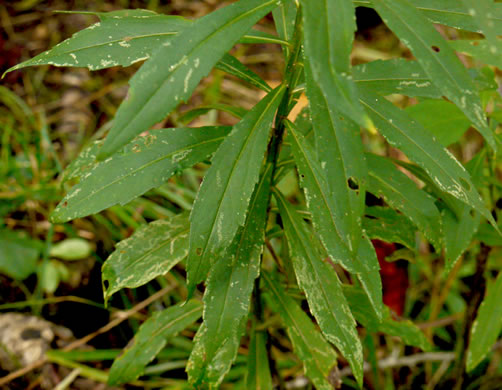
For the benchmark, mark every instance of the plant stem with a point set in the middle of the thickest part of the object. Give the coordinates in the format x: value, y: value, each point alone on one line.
x: 474, y: 301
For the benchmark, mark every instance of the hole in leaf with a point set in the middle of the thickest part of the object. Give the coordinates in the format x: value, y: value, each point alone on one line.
x: 472, y: 213
x: 465, y: 184
x: 435, y: 48
x: 198, y: 251
x: 106, y: 284
x: 352, y: 183
x: 302, y: 176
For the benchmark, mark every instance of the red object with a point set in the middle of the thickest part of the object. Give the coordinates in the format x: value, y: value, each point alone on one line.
x: 394, y: 277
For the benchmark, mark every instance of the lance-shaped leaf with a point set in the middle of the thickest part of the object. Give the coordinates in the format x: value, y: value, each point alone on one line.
x: 145, y: 163
x: 400, y: 192
x: 329, y: 67
x: 317, y: 355
x: 83, y: 163
x: 340, y: 153
x: 151, y: 337
x: 227, y: 296
x: 451, y: 13
x: 322, y: 287
x: 487, y: 326
x: 329, y: 219
x: 395, y: 76
x: 460, y: 224
x: 420, y: 146
x: 123, y: 39
x: 445, y: 121
x: 223, y: 198
x: 479, y: 49
x: 114, y: 40
x: 176, y: 67
x: 284, y: 18
x: 151, y: 251
x: 404, y: 329
x: 386, y: 224
x: 436, y: 58
x: 233, y: 66
x: 482, y: 11
x: 258, y: 376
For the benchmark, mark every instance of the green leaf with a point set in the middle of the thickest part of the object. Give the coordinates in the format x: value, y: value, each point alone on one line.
x: 445, y: 121
x: 145, y: 163
x: 151, y: 337
x: 409, y: 136
x: 401, y: 193
x: 227, y: 296
x: 317, y: 355
x: 482, y: 11
x: 395, y: 76
x: 478, y: 49
x: 341, y: 155
x: 450, y: 13
x: 123, y: 39
x: 187, y: 117
x: 258, y: 376
x: 176, y: 67
x: 18, y: 256
x: 115, y: 40
x: 83, y: 163
x: 458, y: 233
x: 386, y: 224
x: 329, y: 217
x: 223, y: 198
x: 284, y: 19
x: 487, y: 326
x: 71, y: 249
x: 322, y: 287
x: 461, y: 223
x: 487, y: 234
x: 327, y: 56
x: 151, y: 251
x: 436, y: 58
x: 404, y: 329
x: 234, y: 67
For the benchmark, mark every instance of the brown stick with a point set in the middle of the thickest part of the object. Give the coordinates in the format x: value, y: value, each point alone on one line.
x: 473, y: 302
x: 78, y: 343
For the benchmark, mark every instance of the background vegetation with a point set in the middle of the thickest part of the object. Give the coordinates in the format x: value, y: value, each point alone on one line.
x: 48, y: 114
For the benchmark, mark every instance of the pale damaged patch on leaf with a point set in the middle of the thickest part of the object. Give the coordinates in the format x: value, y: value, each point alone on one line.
x: 151, y: 251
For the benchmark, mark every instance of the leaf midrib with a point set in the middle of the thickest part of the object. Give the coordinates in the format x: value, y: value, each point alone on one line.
x: 180, y: 63
x: 142, y: 167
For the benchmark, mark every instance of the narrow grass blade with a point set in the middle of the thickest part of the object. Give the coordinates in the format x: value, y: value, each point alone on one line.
x: 258, y: 376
